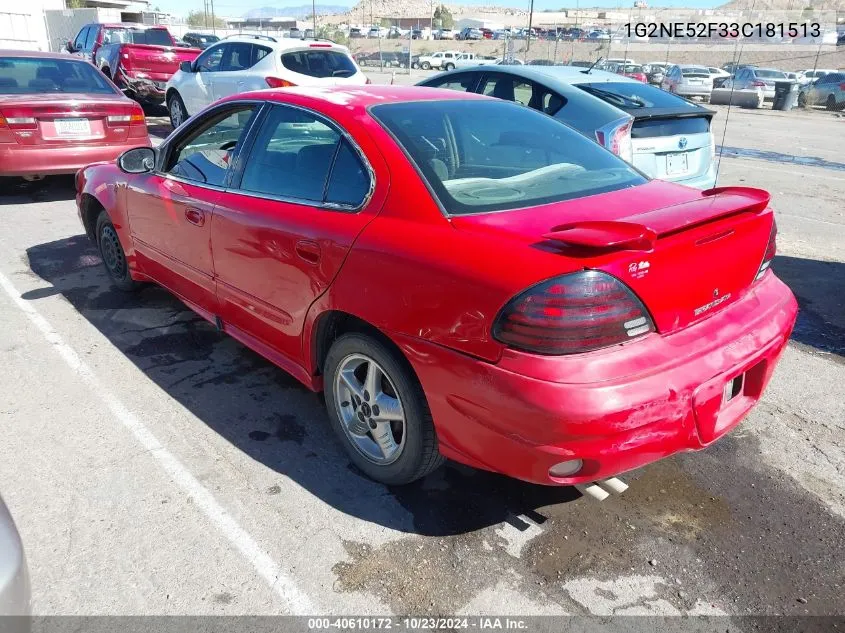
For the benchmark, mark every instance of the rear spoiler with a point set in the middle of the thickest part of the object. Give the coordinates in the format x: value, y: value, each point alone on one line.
x: 641, y: 231
x: 668, y: 113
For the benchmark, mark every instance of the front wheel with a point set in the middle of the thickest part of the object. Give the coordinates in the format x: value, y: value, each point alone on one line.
x: 426, y: 66
x: 176, y: 110
x: 379, y: 411
x: 448, y: 67
x: 802, y: 100
x: 114, y: 257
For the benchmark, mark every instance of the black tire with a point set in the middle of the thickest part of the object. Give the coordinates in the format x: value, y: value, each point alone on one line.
x: 705, y: 99
x: 420, y: 454
x: 114, y: 257
x: 174, y: 101
x: 830, y: 104
x: 802, y: 100
x: 448, y: 67
x: 425, y: 66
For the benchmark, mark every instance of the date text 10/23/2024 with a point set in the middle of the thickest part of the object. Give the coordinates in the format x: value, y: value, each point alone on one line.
x: 725, y: 30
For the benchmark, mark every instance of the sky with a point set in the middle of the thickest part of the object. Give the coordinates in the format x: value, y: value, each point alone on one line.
x: 234, y: 8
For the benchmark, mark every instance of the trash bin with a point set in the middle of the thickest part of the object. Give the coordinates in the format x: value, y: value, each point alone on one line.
x: 786, y: 95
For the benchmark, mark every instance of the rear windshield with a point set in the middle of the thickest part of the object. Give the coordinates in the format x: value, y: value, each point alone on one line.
x: 671, y: 126
x: 632, y: 69
x: 319, y: 63
x: 769, y: 74
x: 29, y: 75
x: 695, y: 72
x: 207, y: 39
x: 155, y: 37
x: 635, y: 95
x: 480, y: 156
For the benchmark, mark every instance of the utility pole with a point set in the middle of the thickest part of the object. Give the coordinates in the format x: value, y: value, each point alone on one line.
x: 213, y: 25
x: 530, y: 19
x: 314, y: 15
x: 431, y: 25
x: 205, y: 12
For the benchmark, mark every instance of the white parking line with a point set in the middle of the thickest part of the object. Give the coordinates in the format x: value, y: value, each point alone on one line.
x: 296, y: 602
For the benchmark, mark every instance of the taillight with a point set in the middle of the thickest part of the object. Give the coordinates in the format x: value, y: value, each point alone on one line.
x: 275, y: 82
x: 759, y: 84
x: 617, y: 138
x: 571, y: 314
x: 771, y: 251
x: 842, y: 87
x: 126, y: 119
x: 19, y: 120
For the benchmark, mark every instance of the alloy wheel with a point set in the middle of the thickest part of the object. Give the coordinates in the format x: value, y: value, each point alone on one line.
x: 177, y: 117
x: 370, y: 409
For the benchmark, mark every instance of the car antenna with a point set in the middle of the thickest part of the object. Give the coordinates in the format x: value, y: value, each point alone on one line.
x: 587, y: 72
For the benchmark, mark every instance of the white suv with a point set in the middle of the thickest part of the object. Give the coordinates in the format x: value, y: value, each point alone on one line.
x: 253, y: 62
x: 444, y: 60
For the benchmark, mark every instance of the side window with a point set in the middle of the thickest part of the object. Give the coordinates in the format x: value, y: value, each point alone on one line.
x: 349, y: 183
x: 259, y: 53
x: 509, y: 89
x: 298, y: 156
x: 79, y: 42
x: 448, y: 55
x: 462, y: 82
x: 93, y: 32
x: 205, y: 154
x: 209, y: 61
x: 236, y: 56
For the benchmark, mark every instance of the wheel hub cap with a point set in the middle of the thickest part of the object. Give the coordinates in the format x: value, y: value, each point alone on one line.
x: 370, y: 409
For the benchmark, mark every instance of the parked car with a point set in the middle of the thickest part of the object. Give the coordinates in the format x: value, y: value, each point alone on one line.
x: 139, y: 59
x: 734, y: 67
x: 15, y: 592
x: 469, y: 33
x: 828, y: 91
x: 466, y: 60
x: 655, y: 72
x: 634, y: 71
x: 58, y: 114
x: 200, y: 40
x: 638, y: 288
x: 240, y: 64
x: 487, y: 34
x: 444, y: 34
x: 355, y: 32
x: 811, y: 74
x: 689, y: 81
x: 761, y: 79
x: 377, y: 32
x: 444, y: 60
x: 663, y: 135
x: 718, y: 76
x: 416, y: 34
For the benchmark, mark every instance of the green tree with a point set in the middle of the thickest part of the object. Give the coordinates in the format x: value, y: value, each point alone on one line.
x: 443, y: 18
x: 74, y: 4
x: 201, y: 19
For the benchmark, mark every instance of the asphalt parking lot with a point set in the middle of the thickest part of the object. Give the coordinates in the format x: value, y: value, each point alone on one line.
x: 155, y: 466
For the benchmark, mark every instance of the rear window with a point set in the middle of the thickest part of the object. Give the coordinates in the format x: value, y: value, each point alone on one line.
x: 633, y: 96
x: 27, y: 75
x: 769, y: 74
x: 650, y: 128
x: 319, y: 63
x: 632, y: 69
x: 481, y: 156
x: 154, y: 37
x: 695, y: 72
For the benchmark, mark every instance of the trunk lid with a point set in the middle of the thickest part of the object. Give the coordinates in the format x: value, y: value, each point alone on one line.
x: 686, y: 254
x: 672, y: 144
x: 159, y: 62
x: 79, y: 119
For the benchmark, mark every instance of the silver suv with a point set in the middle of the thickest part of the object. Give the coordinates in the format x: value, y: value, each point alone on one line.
x: 14, y: 577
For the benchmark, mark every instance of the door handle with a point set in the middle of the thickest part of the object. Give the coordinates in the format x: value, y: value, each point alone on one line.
x: 195, y: 216
x: 308, y: 251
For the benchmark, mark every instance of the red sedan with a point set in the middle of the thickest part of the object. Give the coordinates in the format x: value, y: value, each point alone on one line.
x: 463, y: 277
x: 58, y: 114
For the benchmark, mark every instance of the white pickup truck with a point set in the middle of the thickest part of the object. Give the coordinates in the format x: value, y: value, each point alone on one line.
x: 447, y: 60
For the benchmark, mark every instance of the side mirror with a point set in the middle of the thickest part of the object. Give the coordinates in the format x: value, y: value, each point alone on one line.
x: 186, y: 67
x: 139, y: 160
x: 69, y: 47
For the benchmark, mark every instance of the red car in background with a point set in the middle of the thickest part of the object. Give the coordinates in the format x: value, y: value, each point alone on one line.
x: 139, y: 59
x: 634, y: 71
x: 462, y: 276
x: 58, y: 114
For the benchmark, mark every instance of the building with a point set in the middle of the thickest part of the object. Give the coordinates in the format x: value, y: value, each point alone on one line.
x: 22, y: 24
x: 63, y: 24
x: 263, y: 24
x: 478, y: 23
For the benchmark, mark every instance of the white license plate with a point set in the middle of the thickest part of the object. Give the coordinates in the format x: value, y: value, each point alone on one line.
x: 676, y: 164
x: 72, y: 127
